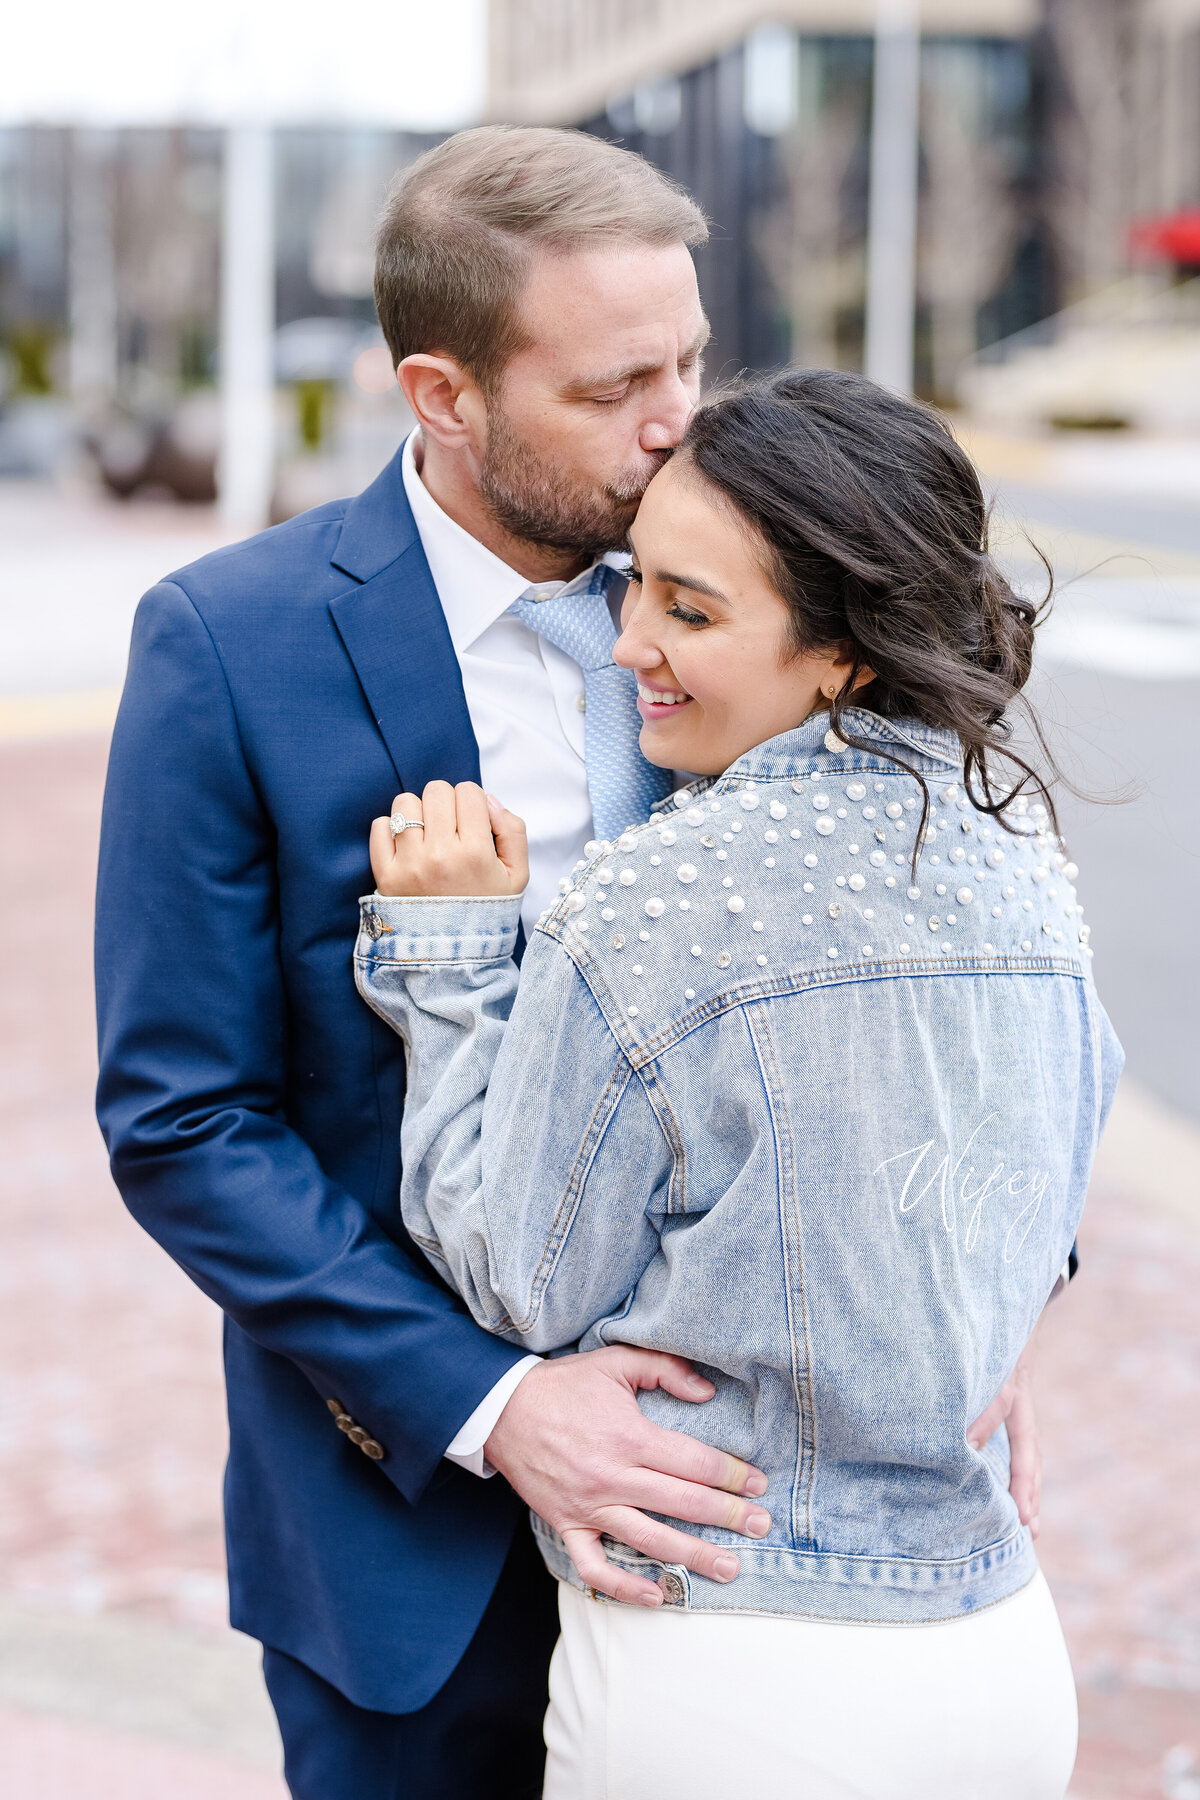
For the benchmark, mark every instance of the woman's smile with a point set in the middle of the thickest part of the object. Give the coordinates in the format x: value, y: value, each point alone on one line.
x: 656, y: 702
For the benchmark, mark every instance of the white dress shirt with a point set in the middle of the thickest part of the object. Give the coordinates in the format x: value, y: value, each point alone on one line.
x: 525, y: 699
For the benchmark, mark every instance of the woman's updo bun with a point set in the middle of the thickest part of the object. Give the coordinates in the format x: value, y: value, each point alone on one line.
x: 876, y: 533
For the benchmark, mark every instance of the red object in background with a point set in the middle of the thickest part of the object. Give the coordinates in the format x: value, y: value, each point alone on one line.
x: 1175, y: 238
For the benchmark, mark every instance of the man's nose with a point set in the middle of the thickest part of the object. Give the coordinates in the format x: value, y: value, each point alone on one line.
x: 669, y: 418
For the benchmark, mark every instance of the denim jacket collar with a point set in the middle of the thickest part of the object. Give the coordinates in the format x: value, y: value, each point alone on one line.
x: 813, y: 748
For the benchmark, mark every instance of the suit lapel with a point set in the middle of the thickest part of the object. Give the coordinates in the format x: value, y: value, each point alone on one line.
x: 395, y: 633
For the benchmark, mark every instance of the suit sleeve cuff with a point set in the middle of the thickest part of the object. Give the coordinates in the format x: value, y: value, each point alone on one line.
x: 466, y: 1448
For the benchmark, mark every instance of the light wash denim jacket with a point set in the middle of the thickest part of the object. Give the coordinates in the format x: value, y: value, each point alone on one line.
x: 763, y: 1101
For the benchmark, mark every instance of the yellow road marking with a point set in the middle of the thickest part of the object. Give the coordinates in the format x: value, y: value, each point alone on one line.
x: 30, y: 716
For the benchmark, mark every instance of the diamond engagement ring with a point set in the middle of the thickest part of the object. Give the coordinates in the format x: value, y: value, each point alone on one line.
x: 399, y: 823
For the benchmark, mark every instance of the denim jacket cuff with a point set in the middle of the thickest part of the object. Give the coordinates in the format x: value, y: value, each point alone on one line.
x: 423, y: 930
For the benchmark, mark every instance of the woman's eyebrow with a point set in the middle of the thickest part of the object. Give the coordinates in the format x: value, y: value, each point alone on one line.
x: 692, y: 582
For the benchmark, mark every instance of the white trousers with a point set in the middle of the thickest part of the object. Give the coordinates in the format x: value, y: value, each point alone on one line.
x: 699, y: 1706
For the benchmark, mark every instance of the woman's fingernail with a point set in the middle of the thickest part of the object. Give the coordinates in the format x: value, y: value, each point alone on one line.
x: 650, y: 1599
x: 758, y: 1523
x: 726, y: 1568
x: 698, y: 1383
x: 755, y: 1485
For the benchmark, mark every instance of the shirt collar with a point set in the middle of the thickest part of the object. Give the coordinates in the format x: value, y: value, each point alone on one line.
x: 474, y: 586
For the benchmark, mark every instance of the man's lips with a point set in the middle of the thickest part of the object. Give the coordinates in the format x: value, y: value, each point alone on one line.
x: 660, y: 703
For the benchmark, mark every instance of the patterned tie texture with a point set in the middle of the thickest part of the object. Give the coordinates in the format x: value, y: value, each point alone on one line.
x: 622, y: 784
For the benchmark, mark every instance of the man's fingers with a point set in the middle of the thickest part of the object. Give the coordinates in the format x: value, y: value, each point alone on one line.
x: 662, y: 1543
x: 593, y: 1567
x: 698, y: 1505
x: 656, y: 1369
x: 674, y: 1453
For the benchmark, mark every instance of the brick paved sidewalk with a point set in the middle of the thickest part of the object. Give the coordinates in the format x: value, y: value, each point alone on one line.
x: 117, y: 1674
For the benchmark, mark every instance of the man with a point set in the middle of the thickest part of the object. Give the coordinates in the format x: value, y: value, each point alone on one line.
x: 538, y: 294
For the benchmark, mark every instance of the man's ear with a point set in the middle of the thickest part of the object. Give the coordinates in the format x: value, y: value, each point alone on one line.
x: 444, y: 398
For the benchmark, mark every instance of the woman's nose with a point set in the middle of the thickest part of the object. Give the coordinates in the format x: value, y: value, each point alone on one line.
x: 633, y: 651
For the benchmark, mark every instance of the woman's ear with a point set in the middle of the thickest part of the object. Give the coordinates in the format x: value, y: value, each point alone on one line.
x: 836, y: 673
x: 833, y: 683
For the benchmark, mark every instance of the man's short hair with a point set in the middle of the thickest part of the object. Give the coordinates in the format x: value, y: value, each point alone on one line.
x: 462, y: 224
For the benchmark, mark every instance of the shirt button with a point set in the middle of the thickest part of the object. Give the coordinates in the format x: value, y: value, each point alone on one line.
x: 581, y: 703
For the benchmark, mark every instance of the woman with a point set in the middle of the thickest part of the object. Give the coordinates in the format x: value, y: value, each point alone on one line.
x: 803, y: 1081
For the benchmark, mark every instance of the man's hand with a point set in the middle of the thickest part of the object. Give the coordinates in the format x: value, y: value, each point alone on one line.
x: 574, y: 1444
x: 1013, y: 1408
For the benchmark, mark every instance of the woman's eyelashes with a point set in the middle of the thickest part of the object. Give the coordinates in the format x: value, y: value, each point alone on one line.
x: 677, y: 610
x: 686, y: 616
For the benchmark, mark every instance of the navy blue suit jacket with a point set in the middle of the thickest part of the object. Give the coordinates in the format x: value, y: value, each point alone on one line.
x: 279, y: 693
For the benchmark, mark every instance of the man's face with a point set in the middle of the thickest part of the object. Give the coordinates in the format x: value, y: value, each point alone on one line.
x: 586, y: 415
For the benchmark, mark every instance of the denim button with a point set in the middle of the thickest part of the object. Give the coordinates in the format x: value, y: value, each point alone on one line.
x: 672, y: 1587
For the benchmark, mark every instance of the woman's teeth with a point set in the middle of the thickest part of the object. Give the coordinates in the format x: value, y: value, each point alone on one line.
x: 661, y: 696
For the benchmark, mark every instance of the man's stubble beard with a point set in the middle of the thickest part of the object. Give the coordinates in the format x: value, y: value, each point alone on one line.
x: 538, y: 504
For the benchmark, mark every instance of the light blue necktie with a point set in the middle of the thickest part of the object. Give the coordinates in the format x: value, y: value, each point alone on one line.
x: 622, y: 784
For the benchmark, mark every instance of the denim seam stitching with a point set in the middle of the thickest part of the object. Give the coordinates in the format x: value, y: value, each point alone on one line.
x: 660, y: 1104
x: 802, y: 981
x: 607, y: 1103
x: 806, y: 1424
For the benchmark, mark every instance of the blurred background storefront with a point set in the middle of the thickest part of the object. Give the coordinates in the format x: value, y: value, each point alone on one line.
x: 993, y: 202
x: 1059, y: 169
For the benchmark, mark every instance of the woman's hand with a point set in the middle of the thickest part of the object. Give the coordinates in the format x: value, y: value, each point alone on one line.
x: 465, y: 844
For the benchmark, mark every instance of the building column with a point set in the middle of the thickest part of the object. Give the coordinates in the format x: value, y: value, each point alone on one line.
x: 892, y: 209
x: 92, y: 274
x: 246, y: 462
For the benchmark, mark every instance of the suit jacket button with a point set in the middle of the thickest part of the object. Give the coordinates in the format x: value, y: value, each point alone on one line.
x: 357, y: 1435
x: 375, y: 1451
x: 344, y: 1422
x: 335, y: 1407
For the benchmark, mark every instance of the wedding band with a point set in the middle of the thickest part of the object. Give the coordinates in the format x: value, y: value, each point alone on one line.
x: 399, y: 823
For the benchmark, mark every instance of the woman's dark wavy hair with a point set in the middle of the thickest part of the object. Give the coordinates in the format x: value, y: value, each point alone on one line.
x: 876, y: 531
